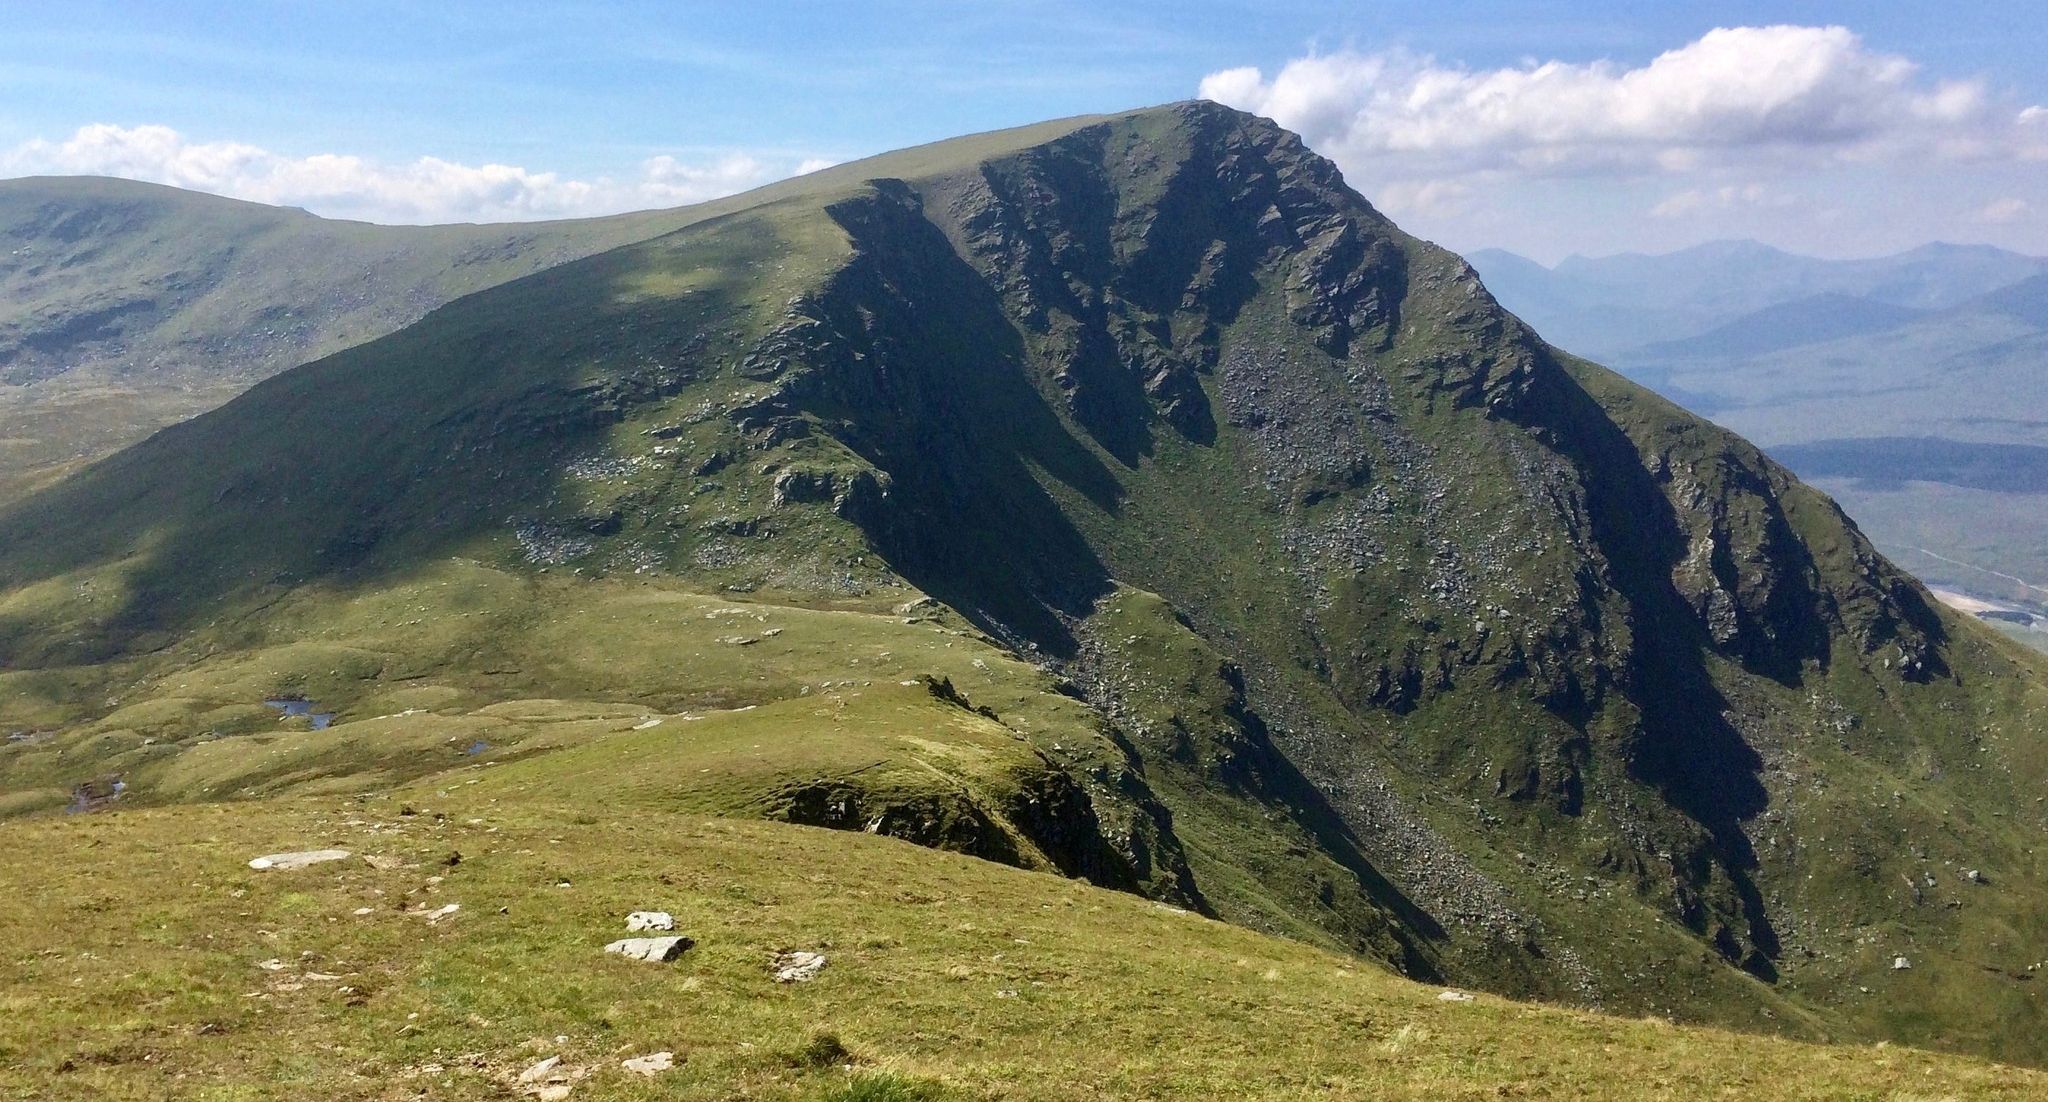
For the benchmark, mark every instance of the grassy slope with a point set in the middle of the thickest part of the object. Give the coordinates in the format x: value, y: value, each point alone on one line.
x: 463, y: 660
x: 1881, y: 797
x: 134, y: 306
x: 494, y: 653
x: 133, y: 971
x: 1838, y: 840
x: 1835, y: 741
x: 130, y: 306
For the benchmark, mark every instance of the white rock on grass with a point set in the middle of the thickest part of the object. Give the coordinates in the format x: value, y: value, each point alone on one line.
x: 285, y: 862
x: 1900, y: 964
x: 654, y: 1063
x: 657, y: 950
x: 549, y: 1080
x: 798, y: 967
x: 649, y: 920
x: 540, y: 1071
x: 1454, y: 997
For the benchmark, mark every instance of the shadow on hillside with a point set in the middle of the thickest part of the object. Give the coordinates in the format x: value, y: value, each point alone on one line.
x: 359, y: 466
x: 1273, y: 779
x: 946, y: 407
x: 1683, y: 744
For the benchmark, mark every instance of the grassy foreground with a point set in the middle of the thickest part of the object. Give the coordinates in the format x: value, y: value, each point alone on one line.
x: 145, y: 960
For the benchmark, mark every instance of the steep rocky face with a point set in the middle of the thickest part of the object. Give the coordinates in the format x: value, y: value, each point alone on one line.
x: 1432, y: 542
x: 1452, y: 516
x: 1408, y: 631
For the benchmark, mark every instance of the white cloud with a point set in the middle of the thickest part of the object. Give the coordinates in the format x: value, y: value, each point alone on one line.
x: 1778, y: 91
x: 1742, y: 131
x: 425, y: 190
x: 1425, y: 197
x: 2002, y: 211
x: 1694, y: 201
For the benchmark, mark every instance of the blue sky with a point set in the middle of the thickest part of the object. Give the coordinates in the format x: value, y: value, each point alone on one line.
x: 393, y: 111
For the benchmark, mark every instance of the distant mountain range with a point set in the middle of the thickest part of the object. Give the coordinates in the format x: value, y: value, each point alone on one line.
x: 1912, y: 387
x: 1609, y: 307
x: 1123, y: 497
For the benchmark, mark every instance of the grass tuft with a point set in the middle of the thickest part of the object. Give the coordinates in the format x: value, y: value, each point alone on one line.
x: 823, y: 1050
x: 882, y: 1086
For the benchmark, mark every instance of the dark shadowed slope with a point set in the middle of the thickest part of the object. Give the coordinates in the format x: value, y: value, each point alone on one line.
x: 127, y: 306
x: 1290, y: 578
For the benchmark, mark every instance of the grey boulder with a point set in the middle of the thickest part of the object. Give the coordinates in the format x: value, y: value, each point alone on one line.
x: 657, y: 950
x: 282, y: 862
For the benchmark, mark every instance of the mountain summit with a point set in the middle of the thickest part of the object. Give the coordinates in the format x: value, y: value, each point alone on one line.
x: 1127, y: 497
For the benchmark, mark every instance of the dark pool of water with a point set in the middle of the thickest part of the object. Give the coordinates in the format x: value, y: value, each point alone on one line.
x: 298, y: 707
x: 94, y: 795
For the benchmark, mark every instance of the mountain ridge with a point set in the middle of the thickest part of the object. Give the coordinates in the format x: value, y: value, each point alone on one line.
x: 1609, y: 307
x: 1310, y: 587
x: 129, y: 306
x: 1844, y: 384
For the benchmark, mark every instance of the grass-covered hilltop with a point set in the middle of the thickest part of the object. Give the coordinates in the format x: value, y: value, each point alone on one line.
x: 125, y: 306
x: 1122, y: 500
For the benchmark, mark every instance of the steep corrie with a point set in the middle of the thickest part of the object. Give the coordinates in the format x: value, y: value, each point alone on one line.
x: 1402, y: 629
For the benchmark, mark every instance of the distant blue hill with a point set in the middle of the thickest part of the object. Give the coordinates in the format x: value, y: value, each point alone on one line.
x: 1913, y: 387
x: 1810, y: 320
x: 1604, y: 307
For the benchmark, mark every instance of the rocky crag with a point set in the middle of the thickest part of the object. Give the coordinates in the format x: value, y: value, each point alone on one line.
x: 1372, y: 618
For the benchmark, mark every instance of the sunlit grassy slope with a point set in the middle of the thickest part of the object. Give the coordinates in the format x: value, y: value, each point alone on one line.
x: 151, y: 962
x: 126, y: 307
x: 1126, y: 499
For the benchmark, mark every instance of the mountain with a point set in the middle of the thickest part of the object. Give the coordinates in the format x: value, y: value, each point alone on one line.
x: 2025, y: 302
x: 1868, y: 377
x: 1785, y: 325
x: 1917, y: 423
x: 1610, y: 307
x: 1122, y: 497
x: 126, y: 306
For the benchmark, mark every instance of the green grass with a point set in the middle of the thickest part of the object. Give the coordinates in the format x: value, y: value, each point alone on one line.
x: 576, y: 686
x: 134, y: 306
x: 133, y: 971
x: 846, y: 505
x: 130, y: 306
x: 881, y: 1087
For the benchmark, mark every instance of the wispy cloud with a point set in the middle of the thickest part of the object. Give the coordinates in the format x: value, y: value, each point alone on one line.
x: 1694, y: 201
x: 1816, y: 92
x: 2000, y: 212
x: 428, y: 189
x: 1720, y: 134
